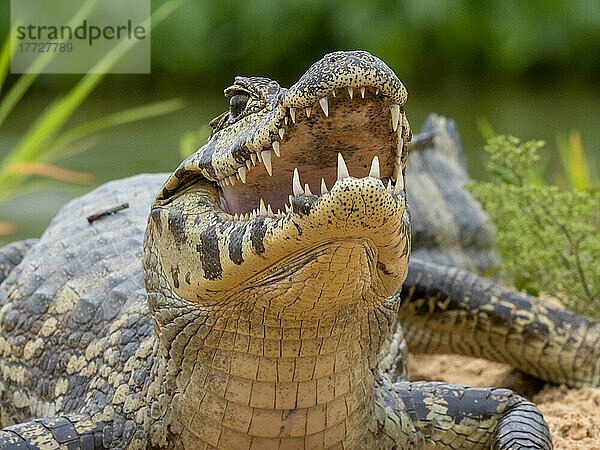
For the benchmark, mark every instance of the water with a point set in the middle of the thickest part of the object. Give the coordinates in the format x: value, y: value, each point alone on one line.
x: 153, y: 145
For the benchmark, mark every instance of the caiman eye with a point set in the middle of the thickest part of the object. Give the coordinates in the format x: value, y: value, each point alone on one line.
x: 237, y: 104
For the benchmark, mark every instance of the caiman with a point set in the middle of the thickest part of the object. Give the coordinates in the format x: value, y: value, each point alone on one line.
x: 272, y: 301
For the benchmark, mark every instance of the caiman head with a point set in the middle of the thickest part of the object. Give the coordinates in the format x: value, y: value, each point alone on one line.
x: 296, y: 203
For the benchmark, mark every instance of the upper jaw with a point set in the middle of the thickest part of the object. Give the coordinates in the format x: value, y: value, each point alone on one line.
x: 232, y: 152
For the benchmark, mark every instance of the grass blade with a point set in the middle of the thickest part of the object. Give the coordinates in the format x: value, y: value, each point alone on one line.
x: 37, y: 66
x: 64, y: 140
x: 36, y: 142
x: 5, y: 53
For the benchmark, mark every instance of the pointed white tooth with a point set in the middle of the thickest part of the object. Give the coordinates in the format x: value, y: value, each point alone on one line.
x: 399, y: 184
x: 362, y: 92
x: 324, y: 106
x: 296, y: 186
x: 307, y: 190
x: 293, y: 114
x: 374, y: 168
x: 244, y: 216
x: 350, y: 92
x: 323, y: 187
x: 285, y: 120
x: 242, y: 174
x: 389, y: 187
x: 333, y: 92
x: 248, y: 164
x: 342, y: 170
x: 307, y: 110
x: 237, y: 176
x: 262, y: 210
x: 288, y: 209
x: 395, y: 110
x: 290, y: 198
x: 266, y: 159
x: 275, y: 145
x: 236, y: 218
x: 270, y: 211
x: 258, y: 157
x: 376, y: 91
x: 232, y: 180
x: 253, y: 158
x: 281, y: 132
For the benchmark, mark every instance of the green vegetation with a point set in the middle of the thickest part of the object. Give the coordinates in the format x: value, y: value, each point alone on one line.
x: 424, y: 40
x: 44, y: 143
x: 549, y: 239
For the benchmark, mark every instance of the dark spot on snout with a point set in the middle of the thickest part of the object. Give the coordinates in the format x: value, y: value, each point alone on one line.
x: 177, y: 225
x: 257, y: 234
x: 236, y: 239
x: 210, y: 254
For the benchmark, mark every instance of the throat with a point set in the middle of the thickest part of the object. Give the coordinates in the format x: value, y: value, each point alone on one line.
x: 240, y: 381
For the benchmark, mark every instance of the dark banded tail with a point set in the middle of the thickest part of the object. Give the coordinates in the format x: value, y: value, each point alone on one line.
x: 445, y: 310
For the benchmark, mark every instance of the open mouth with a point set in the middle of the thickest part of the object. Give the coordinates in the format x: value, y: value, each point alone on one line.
x: 356, y: 132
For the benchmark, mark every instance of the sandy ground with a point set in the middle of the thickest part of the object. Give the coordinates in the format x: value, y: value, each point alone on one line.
x: 573, y: 415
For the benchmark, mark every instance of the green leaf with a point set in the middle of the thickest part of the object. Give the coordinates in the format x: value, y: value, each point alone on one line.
x: 60, y: 145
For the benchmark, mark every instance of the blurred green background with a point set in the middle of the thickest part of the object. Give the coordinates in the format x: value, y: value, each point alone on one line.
x: 531, y: 69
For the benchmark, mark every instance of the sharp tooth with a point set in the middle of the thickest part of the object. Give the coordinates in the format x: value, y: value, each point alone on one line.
x: 324, y: 106
x: 307, y: 110
x: 225, y: 181
x: 389, y: 187
x: 362, y: 92
x: 293, y: 114
x: 342, y: 170
x: 323, y: 187
x: 237, y: 176
x: 290, y: 198
x: 253, y: 158
x: 374, y: 168
x: 395, y: 110
x: 288, y: 209
x: 253, y: 215
x: 236, y: 218
x: 399, y: 183
x: 296, y: 186
x: 307, y: 190
x: 232, y: 180
x: 261, y: 208
x: 350, y: 92
x: 376, y: 91
x: 258, y: 157
x: 242, y: 174
x: 333, y: 92
x: 248, y: 164
x: 285, y: 120
x: 266, y: 159
x: 244, y: 216
x: 270, y: 211
x: 275, y: 145
x: 281, y: 132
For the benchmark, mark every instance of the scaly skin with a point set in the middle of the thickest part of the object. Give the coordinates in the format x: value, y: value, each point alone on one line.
x: 271, y: 330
